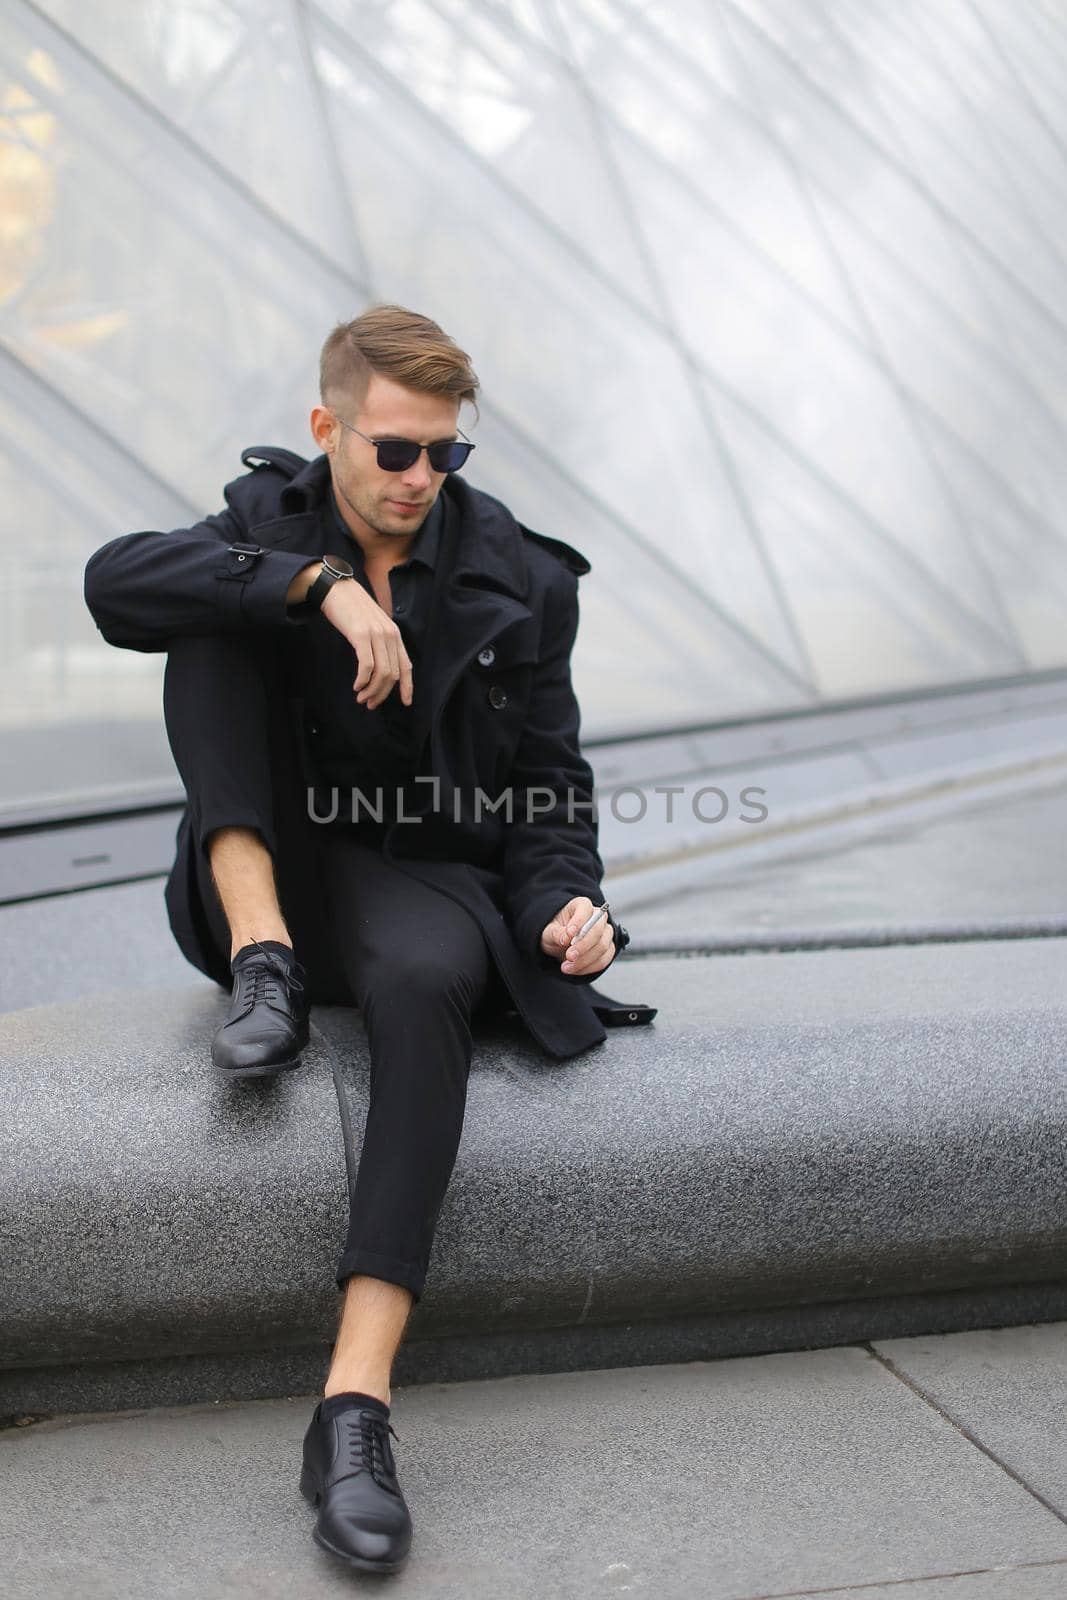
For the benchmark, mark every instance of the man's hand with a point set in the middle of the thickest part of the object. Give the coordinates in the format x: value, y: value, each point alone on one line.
x: 579, y: 957
x: 382, y: 659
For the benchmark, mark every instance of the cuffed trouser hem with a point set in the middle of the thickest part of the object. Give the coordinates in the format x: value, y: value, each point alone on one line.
x: 408, y: 1274
x: 205, y: 824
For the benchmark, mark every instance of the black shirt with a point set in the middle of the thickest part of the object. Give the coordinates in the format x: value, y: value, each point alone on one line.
x: 353, y: 748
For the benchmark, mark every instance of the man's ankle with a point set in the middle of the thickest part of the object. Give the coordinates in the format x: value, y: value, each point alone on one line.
x: 241, y: 941
x: 354, y: 1384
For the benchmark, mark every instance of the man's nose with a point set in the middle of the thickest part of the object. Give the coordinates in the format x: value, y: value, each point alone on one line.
x: 418, y: 475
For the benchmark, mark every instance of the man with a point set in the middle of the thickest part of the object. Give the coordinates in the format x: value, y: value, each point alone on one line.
x: 368, y: 698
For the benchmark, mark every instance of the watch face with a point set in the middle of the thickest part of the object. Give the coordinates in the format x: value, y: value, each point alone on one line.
x: 338, y: 566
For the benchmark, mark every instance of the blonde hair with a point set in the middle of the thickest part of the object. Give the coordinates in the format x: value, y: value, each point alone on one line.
x: 399, y: 344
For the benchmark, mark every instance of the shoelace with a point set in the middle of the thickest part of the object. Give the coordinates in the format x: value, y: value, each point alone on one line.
x: 368, y: 1440
x: 261, y: 983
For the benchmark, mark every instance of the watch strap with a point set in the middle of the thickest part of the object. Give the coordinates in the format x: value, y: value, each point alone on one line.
x: 324, y: 583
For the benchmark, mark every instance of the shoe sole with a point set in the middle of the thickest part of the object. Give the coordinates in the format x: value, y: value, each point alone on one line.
x: 256, y: 1072
x: 311, y: 1493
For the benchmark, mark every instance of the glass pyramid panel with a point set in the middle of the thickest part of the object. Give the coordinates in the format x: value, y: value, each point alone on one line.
x: 144, y: 288
x: 649, y: 87
x: 869, y: 612
x: 771, y: 349
x: 977, y: 389
x: 509, y: 104
x: 823, y: 138
x: 767, y: 300
x: 234, y: 78
x: 1025, y: 553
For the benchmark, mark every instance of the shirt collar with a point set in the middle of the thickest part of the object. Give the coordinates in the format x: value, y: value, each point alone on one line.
x: 427, y: 541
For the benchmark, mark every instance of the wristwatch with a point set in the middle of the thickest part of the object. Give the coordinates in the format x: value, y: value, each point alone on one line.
x: 334, y: 568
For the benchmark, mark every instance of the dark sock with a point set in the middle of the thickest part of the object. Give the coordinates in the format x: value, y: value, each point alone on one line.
x: 284, y: 950
x: 340, y: 1402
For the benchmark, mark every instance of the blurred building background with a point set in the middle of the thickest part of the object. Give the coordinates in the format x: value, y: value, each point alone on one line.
x: 766, y: 297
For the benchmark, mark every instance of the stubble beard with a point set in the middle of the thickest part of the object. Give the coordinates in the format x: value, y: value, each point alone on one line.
x: 371, y: 515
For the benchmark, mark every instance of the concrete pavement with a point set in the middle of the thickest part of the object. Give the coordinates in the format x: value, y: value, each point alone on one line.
x: 931, y: 1468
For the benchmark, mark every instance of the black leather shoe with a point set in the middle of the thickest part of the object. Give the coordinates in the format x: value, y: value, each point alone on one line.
x: 349, y: 1474
x: 268, y: 1022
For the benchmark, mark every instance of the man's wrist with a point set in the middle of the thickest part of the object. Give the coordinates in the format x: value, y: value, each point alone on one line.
x: 297, y: 591
x: 333, y: 570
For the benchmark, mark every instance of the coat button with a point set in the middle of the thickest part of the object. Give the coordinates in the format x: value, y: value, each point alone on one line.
x: 498, y: 697
x: 486, y: 657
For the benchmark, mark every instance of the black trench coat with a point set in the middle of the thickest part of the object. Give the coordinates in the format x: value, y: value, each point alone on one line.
x: 499, y: 702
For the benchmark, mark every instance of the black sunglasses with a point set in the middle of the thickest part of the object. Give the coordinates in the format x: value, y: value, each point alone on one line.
x: 396, y: 455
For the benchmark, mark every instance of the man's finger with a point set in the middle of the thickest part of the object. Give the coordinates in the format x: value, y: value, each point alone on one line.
x: 596, y: 940
x: 365, y: 658
x: 407, y: 683
x: 372, y: 689
x: 591, y: 955
x: 594, y: 933
x: 576, y: 913
x: 387, y: 675
x: 566, y: 923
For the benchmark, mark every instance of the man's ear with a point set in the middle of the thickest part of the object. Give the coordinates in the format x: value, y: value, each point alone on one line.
x: 324, y: 429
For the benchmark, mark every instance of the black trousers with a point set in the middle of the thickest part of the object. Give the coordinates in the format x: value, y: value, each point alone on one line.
x: 415, y: 964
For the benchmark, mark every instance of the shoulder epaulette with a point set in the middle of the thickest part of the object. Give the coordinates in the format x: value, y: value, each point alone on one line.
x: 286, y: 461
x: 561, y: 550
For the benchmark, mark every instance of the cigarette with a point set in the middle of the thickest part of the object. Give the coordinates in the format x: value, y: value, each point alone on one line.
x: 593, y: 920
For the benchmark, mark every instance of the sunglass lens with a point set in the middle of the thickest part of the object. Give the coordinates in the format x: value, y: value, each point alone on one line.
x: 450, y: 455
x: 396, y: 455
